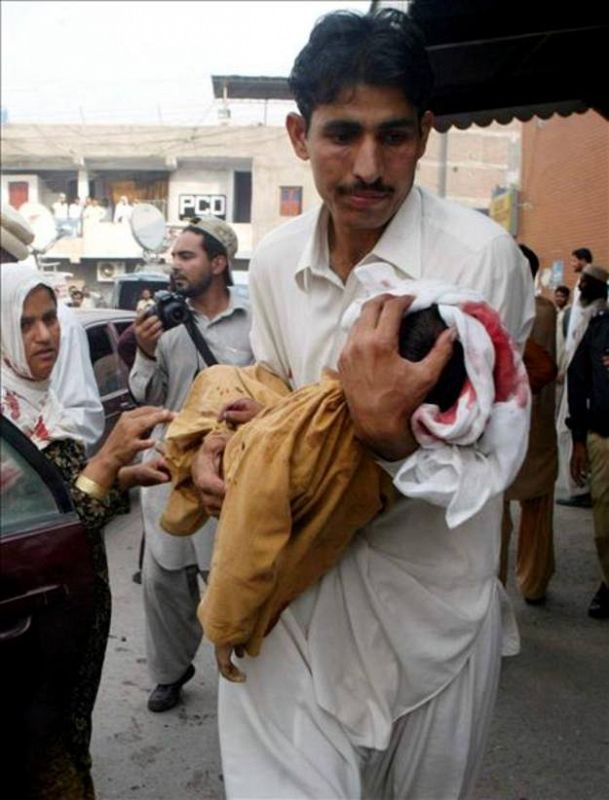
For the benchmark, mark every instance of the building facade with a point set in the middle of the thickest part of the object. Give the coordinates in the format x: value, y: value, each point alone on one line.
x: 564, y: 198
x: 246, y: 174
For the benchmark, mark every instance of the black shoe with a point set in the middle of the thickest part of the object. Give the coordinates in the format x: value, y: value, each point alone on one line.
x: 536, y: 601
x: 576, y: 501
x: 166, y: 695
x: 137, y: 577
x: 599, y: 607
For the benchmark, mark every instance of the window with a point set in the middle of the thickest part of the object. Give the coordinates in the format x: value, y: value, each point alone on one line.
x: 242, y: 205
x: 121, y: 327
x: 106, y: 363
x: 18, y: 193
x: 290, y: 201
x: 25, y: 498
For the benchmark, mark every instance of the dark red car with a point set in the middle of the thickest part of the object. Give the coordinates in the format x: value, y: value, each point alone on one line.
x: 46, y: 596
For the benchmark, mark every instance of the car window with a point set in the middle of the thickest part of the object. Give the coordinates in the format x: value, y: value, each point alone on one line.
x: 122, y: 326
x: 25, y: 498
x: 106, y: 363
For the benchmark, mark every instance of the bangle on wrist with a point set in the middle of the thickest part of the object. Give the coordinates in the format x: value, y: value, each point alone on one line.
x: 90, y: 487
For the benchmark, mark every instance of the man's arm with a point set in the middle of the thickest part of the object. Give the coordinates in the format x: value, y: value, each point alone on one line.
x: 579, y: 385
x: 266, y: 341
x: 73, y: 379
x: 148, y: 378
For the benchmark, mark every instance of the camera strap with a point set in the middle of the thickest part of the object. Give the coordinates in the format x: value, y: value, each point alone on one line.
x: 199, y: 341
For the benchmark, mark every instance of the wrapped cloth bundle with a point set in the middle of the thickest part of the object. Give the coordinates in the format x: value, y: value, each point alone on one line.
x: 298, y: 487
x: 472, y: 451
x: 299, y: 484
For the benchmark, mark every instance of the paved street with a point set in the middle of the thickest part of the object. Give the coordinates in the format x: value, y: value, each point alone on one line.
x: 550, y: 737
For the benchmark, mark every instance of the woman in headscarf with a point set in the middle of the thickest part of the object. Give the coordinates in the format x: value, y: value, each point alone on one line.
x: 59, y: 767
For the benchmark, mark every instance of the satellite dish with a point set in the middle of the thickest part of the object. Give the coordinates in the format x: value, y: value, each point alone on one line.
x: 148, y: 227
x: 42, y: 222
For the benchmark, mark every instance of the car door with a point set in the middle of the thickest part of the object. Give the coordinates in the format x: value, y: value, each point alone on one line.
x: 110, y: 373
x: 46, y: 593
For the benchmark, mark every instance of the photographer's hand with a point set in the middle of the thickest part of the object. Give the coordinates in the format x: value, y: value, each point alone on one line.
x: 148, y: 331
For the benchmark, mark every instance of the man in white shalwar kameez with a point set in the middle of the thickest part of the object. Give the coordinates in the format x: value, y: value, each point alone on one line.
x: 380, y: 680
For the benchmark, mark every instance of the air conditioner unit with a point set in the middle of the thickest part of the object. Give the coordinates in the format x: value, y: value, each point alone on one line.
x: 107, y: 271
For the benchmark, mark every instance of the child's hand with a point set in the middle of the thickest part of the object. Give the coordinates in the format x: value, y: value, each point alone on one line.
x: 148, y: 473
x: 239, y: 411
x: 226, y: 667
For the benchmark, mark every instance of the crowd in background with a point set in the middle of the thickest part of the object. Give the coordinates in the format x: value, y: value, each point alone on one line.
x: 70, y: 214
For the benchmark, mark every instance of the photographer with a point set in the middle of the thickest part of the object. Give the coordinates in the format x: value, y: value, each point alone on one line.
x: 169, y: 357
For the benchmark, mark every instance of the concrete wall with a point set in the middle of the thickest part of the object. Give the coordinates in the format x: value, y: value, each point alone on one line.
x: 565, y: 188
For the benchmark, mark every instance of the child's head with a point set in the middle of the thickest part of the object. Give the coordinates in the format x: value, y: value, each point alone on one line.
x: 418, y: 334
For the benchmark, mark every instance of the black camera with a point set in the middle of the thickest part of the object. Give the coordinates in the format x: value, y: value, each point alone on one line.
x: 170, y: 307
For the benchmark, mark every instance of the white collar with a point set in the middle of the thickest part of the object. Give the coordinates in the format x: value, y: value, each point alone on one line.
x: 399, y: 245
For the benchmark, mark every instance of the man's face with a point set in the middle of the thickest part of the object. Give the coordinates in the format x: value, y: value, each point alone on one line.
x: 577, y: 264
x: 192, y: 272
x: 560, y: 299
x: 364, y: 149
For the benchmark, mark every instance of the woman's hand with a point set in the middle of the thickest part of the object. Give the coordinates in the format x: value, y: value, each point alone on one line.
x: 149, y: 473
x: 130, y: 436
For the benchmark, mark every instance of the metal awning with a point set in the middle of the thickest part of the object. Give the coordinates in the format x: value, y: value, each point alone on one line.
x: 245, y: 87
x: 496, y: 61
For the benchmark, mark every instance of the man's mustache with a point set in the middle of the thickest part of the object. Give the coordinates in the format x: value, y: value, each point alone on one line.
x: 360, y: 186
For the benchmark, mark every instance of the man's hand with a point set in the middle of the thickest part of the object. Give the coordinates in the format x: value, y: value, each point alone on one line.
x: 225, y: 666
x: 579, y: 463
x: 207, y: 470
x: 383, y: 389
x: 148, y: 331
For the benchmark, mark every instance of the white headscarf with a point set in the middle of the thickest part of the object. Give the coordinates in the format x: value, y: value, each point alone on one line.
x: 472, y: 451
x: 29, y: 404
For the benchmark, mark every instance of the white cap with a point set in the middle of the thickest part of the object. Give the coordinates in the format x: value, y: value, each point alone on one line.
x: 15, y: 233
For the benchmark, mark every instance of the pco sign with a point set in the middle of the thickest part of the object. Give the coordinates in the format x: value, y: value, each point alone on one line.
x: 196, y: 205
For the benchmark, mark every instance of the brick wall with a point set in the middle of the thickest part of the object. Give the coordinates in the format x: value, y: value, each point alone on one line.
x: 565, y: 188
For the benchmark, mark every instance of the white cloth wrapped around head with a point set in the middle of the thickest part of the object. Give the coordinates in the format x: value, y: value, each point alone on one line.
x: 472, y: 451
x: 29, y: 403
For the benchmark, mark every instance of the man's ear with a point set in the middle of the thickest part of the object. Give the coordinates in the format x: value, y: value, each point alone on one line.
x: 297, y: 131
x: 425, y: 125
x: 219, y: 264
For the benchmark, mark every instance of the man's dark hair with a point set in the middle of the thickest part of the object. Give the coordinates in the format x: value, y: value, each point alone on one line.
x: 418, y: 334
x: 346, y: 49
x: 531, y: 257
x: 592, y: 288
x: 583, y: 254
x: 563, y: 290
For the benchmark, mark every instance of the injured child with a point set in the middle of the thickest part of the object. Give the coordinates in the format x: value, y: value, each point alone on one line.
x: 299, y: 484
